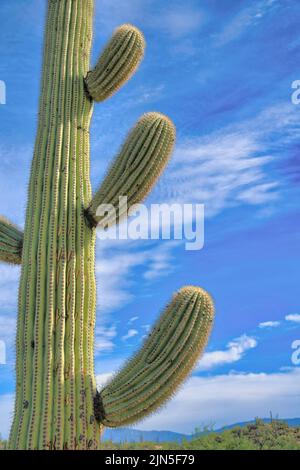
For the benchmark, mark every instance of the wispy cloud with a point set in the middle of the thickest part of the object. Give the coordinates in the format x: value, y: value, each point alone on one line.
x: 104, y: 337
x: 293, y: 317
x: 130, y: 334
x: 234, y: 351
x: 243, y: 20
x: 133, y: 319
x: 177, y: 21
x: 233, y: 166
x: 116, y: 265
x: 269, y: 324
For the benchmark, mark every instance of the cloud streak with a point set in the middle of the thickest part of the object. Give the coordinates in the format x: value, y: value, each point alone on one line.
x: 233, y: 166
x: 293, y: 317
x: 234, y: 351
x: 130, y: 334
x: 269, y: 324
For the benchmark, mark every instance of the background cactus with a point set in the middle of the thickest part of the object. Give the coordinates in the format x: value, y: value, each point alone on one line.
x: 57, y: 405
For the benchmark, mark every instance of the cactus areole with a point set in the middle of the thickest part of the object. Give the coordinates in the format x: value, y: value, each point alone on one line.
x: 57, y: 405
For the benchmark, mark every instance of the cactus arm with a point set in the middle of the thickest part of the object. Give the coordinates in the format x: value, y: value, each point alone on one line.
x: 117, y: 63
x: 11, y: 242
x: 136, y: 169
x: 167, y: 357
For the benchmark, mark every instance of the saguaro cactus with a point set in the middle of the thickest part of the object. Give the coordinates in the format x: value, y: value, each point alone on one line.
x: 57, y: 405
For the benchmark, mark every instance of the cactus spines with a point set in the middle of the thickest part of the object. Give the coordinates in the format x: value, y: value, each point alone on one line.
x: 167, y: 357
x: 119, y: 60
x: 135, y: 170
x: 57, y: 405
x: 11, y: 242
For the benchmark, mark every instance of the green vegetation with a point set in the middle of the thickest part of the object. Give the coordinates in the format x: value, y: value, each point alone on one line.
x: 257, y: 436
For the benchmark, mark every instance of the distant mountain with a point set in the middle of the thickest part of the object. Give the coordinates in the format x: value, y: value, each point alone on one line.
x: 121, y: 435
x: 135, y: 435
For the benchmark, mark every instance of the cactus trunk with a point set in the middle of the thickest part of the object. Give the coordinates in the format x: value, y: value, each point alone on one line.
x: 57, y: 405
x: 55, y: 378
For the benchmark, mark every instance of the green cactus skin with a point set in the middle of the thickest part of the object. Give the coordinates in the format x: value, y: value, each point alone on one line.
x: 11, y: 242
x: 119, y: 60
x: 57, y: 405
x: 140, y: 162
x: 168, y: 356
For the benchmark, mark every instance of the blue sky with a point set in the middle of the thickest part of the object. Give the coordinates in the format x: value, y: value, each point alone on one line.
x: 223, y: 72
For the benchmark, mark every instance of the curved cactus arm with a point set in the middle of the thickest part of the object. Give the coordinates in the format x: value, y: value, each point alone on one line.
x: 167, y: 357
x: 135, y: 170
x: 11, y: 242
x: 119, y: 60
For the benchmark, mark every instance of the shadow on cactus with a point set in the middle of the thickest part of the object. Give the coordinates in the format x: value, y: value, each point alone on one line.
x: 57, y: 405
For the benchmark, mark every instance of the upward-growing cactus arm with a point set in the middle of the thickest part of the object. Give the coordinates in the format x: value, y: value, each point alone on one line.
x: 136, y: 168
x: 169, y: 354
x: 119, y: 60
x: 11, y: 242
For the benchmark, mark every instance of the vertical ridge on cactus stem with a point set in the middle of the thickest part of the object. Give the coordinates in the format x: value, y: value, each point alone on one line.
x: 47, y: 402
x: 63, y: 148
x: 70, y: 404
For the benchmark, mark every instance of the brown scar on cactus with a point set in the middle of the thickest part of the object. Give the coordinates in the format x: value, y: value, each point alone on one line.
x: 57, y: 404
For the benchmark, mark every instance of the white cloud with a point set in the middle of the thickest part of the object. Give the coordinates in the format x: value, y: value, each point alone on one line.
x: 234, y: 352
x: 269, y: 324
x: 102, y: 379
x: 147, y: 327
x: 293, y: 317
x: 104, y: 339
x: 7, y: 328
x: 130, y: 334
x: 160, y: 263
x: 227, y: 399
x: 133, y: 319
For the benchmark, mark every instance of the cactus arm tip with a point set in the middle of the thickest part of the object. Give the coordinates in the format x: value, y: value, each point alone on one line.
x: 153, y: 375
x: 117, y: 63
x: 135, y: 170
x: 11, y: 242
